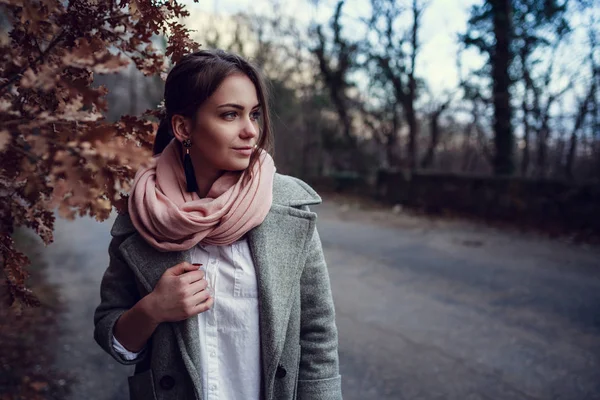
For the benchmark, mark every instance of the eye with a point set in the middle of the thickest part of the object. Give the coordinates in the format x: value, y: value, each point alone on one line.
x: 229, y: 116
x: 255, y: 115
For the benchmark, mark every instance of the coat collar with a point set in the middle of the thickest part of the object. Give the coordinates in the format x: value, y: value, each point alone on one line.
x: 292, y: 192
x: 278, y: 248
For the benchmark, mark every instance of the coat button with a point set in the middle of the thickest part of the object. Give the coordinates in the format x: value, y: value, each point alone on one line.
x: 281, y: 372
x: 167, y: 382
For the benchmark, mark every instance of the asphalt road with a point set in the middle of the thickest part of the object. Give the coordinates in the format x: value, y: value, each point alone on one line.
x: 426, y: 309
x: 450, y: 310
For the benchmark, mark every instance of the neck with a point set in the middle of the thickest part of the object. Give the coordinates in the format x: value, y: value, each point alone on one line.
x: 205, y: 179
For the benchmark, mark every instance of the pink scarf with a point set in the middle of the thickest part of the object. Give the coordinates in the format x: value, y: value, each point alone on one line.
x: 171, y: 219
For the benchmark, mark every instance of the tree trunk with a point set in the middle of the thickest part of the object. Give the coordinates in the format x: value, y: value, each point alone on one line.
x: 391, y: 147
x: 525, y: 109
x: 412, y: 90
x: 467, y: 151
x: 434, y: 122
x: 412, y: 132
x: 526, y: 128
x: 571, y: 154
x: 542, y: 150
x: 581, y: 114
x: 336, y: 78
x: 342, y: 111
x: 543, y: 137
x: 427, y: 160
x: 500, y: 60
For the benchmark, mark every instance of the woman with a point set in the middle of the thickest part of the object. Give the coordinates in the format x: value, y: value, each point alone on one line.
x: 217, y: 287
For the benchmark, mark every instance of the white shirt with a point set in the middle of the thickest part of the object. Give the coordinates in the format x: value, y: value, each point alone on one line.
x: 229, y: 331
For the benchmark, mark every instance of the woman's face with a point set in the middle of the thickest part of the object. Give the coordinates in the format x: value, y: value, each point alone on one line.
x: 226, y: 127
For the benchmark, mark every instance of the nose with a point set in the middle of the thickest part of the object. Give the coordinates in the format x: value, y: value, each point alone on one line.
x: 249, y: 130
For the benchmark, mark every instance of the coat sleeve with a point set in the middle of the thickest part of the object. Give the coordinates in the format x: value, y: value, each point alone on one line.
x: 118, y: 293
x: 319, y: 377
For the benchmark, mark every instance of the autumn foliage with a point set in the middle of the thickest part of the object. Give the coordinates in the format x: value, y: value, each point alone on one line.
x: 56, y: 150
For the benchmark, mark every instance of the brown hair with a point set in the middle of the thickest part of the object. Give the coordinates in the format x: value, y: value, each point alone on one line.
x: 194, y: 79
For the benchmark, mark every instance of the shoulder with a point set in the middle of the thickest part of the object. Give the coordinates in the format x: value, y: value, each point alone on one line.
x: 122, y: 226
x: 293, y: 192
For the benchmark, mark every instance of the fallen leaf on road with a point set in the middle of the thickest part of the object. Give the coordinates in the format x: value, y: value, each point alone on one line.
x: 39, y: 386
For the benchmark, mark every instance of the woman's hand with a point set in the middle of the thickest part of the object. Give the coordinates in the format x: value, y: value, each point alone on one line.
x: 179, y: 294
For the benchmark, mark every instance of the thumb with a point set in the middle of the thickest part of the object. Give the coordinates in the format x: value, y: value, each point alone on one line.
x: 182, y: 268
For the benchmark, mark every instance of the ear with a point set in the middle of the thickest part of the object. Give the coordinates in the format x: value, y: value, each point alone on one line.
x: 181, y: 127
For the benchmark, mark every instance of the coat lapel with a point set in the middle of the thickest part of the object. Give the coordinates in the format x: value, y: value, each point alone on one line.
x: 148, y: 265
x: 279, y: 249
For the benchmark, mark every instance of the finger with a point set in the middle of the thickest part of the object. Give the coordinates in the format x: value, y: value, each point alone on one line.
x: 199, y: 297
x: 202, y: 307
x: 191, y: 267
x: 181, y: 268
x: 193, y: 276
x: 197, y: 286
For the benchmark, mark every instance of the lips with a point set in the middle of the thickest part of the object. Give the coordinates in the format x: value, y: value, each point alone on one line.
x: 245, y: 151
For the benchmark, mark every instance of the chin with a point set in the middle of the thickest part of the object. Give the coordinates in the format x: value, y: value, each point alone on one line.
x: 237, y: 166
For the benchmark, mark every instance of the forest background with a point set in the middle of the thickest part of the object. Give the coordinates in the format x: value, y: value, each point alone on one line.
x: 484, y: 87
x: 479, y: 108
x: 488, y: 107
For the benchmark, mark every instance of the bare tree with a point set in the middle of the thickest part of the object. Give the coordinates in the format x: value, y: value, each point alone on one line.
x: 500, y: 59
x: 537, y: 99
x: 397, y: 65
x: 435, y: 131
x: 584, y: 108
x: 335, y: 65
x: 502, y: 29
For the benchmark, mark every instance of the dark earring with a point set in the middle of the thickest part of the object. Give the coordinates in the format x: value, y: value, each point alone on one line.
x: 188, y: 168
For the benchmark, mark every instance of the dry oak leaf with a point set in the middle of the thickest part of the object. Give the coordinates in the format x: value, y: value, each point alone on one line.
x: 45, y: 78
x: 95, y: 56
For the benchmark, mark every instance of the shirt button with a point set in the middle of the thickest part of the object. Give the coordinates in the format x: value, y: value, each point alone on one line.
x: 213, y: 354
x: 213, y: 262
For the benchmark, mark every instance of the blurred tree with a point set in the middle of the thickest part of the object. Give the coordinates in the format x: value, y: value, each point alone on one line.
x: 491, y: 30
x: 586, y: 106
x: 394, y: 51
x: 537, y: 25
x: 337, y: 95
x: 503, y: 29
x: 435, y: 130
x: 335, y: 63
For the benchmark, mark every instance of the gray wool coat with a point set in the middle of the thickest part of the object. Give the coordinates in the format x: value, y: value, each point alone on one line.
x: 299, y: 345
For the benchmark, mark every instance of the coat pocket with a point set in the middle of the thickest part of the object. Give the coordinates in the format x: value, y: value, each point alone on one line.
x: 141, y: 386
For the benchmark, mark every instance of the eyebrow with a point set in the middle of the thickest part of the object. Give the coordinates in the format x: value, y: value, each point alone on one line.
x: 237, y: 106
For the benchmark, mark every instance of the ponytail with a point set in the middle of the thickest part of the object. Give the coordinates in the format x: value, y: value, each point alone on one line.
x: 164, y: 135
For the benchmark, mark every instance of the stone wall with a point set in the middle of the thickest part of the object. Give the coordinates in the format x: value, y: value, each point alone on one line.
x: 557, y: 206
